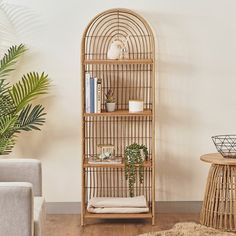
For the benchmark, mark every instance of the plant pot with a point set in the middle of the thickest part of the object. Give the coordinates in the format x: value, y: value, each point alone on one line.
x: 144, y: 158
x: 110, y: 107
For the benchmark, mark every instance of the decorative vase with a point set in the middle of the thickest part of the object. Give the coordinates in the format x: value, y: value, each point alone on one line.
x: 118, y: 48
x: 115, y: 50
x: 111, y: 106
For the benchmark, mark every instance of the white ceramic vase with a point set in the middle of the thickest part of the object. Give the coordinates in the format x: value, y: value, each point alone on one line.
x: 114, y: 51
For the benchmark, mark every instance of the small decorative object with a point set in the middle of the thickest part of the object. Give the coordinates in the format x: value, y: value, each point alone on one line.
x: 105, y: 155
x: 225, y: 145
x: 17, y: 113
x: 105, y: 152
x: 135, y: 155
x: 135, y: 105
x: 110, y: 101
x: 118, y: 48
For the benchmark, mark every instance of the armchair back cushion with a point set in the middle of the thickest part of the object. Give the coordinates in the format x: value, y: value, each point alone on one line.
x: 22, y: 170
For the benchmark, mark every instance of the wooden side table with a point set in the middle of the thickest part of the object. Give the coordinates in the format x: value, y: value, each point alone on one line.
x: 219, y: 205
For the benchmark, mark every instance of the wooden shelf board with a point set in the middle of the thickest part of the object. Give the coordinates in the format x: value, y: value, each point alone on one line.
x: 118, y: 216
x: 121, y: 113
x: 120, y: 61
x: 121, y: 165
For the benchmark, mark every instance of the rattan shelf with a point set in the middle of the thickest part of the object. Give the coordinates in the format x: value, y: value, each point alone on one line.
x: 121, y: 62
x: 118, y: 216
x: 121, y: 113
x: 107, y: 165
x: 131, y: 78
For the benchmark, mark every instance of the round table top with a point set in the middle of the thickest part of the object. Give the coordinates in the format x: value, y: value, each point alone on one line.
x: 216, y: 158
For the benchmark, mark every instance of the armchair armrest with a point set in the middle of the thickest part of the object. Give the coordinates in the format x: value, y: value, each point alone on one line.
x: 16, y: 206
x: 22, y: 170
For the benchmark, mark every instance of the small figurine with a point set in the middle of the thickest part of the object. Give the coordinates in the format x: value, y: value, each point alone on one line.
x: 118, y: 48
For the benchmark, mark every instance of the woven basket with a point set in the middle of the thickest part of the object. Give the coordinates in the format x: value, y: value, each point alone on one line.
x: 225, y: 145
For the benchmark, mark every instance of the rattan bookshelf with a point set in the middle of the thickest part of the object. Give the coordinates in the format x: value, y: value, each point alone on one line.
x: 131, y: 78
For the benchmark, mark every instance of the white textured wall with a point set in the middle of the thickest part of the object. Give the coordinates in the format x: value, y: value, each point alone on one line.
x: 196, y: 86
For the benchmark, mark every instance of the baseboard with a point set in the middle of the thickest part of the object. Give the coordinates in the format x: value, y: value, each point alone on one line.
x: 178, y: 206
x: 161, y: 207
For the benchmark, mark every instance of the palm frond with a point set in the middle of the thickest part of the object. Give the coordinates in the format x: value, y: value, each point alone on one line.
x: 30, y: 118
x: 7, y: 125
x: 6, y: 104
x: 3, y: 87
x: 10, y: 59
x: 16, y: 114
x: 31, y: 85
x: 6, y: 145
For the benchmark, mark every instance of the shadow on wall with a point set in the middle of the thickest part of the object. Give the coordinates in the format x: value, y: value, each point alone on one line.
x: 16, y: 21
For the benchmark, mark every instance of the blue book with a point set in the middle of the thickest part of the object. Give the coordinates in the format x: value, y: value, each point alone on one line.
x: 87, y: 92
x: 92, y: 95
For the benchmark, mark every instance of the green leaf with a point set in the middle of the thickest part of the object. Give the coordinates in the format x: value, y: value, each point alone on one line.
x: 6, y: 145
x: 32, y: 85
x: 134, y: 161
x: 7, y: 125
x: 16, y: 114
x: 3, y: 87
x: 10, y: 59
x: 6, y: 104
x: 30, y: 118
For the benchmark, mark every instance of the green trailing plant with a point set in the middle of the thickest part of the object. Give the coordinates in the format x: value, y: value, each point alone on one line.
x: 110, y: 98
x: 16, y: 111
x: 133, y: 161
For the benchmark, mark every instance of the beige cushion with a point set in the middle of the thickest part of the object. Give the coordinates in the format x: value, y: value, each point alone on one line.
x: 22, y: 170
x: 39, y: 216
x: 16, y: 209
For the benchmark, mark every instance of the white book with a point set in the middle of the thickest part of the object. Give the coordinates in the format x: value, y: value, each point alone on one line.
x: 87, y: 92
x: 95, y: 94
x: 99, y: 95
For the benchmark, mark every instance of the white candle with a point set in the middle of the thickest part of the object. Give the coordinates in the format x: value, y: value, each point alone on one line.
x: 135, y: 105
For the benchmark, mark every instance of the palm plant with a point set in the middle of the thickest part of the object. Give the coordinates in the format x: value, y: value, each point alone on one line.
x: 16, y: 111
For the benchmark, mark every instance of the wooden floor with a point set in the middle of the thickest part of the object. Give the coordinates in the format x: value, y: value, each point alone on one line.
x: 69, y: 225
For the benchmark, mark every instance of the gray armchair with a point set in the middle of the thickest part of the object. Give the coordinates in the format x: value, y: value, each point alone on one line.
x: 22, y: 208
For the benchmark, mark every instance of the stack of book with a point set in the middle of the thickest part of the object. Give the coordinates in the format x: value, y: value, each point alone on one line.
x: 93, y: 91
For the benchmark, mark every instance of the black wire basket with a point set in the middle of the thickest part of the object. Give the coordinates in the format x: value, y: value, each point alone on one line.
x: 225, y: 145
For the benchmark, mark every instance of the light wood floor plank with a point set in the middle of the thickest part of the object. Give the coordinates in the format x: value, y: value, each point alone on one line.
x: 69, y: 225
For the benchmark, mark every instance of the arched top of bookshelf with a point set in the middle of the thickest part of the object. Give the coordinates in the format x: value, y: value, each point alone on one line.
x: 118, y: 24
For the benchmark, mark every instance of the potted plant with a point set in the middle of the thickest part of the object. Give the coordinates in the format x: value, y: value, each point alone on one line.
x: 110, y: 101
x: 135, y: 156
x: 16, y: 111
